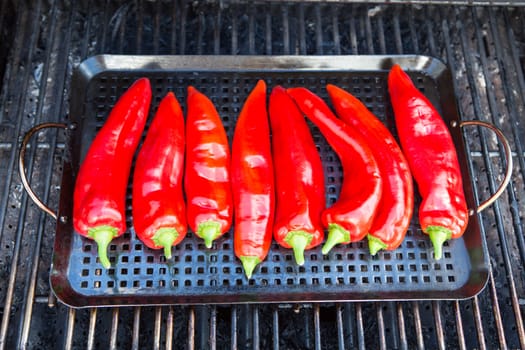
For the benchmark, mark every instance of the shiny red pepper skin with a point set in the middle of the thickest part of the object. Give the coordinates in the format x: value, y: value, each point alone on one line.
x: 299, y: 177
x: 351, y: 217
x: 431, y: 154
x: 253, y: 181
x: 397, y: 203
x: 209, y: 202
x: 99, y: 199
x: 159, y: 210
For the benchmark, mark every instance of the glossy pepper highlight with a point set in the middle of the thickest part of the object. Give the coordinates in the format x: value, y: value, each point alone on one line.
x: 253, y: 181
x: 299, y: 178
x: 159, y: 211
x: 207, y: 176
x: 350, y: 218
x: 396, y: 206
x: 429, y: 149
x: 99, y: 199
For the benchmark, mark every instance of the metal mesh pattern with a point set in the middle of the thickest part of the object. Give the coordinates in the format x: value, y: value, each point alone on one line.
x: 140, y: 275
x: 484, y: 46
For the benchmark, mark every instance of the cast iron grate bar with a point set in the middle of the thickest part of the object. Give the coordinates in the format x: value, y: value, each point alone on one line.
x: 511, y: 193
x: 510, y: 59
x: 494, y: 109
x: 14, y: 259
x: 31, y: 279
x: 453, y: 34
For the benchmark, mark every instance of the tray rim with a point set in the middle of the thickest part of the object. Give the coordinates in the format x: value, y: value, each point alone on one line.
x: 433, y: 67
x: 97, y: 64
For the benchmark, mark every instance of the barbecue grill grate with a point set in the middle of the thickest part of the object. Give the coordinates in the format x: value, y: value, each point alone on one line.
x: 484, y: 46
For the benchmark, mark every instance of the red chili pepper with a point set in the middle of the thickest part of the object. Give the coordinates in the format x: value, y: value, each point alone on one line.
x: 299, y: 178
x: 395, y: 209
x: 207, y: 178
x: 253, y: 181
x: 159, y: 211
x: 99, y: 199
x: 350, y: 218
x: 430, y: 151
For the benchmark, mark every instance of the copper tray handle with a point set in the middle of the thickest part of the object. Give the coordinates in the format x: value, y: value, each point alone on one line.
x: 508, y: 154
x: 22, y: 166
x: 482, y: 206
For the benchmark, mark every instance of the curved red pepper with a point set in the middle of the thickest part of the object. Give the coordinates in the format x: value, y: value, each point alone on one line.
x: 100, y: 191
x: 350, y: 218
x: 299, y: 178
x: 159, y: 211
x: 432, y: 157
x: 253, y: 181
x: 396, y: 207
x: 207, y: 176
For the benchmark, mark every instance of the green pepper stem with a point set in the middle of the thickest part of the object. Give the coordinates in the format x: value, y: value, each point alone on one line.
x: 249, y: 263
x: 438, y: 235
x: 164, y: 237
x: 298, y: 240
x: 375, y: 244
x: 209, y: 231
x: 336, y: 234
x: 103, y: 235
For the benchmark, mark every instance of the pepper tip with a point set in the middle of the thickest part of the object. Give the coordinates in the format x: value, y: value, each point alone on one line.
x: 209, y: 231
x: 336, y: 235
x: 165, y: 237
x: 103, y: 235
x: 298, y: 240
x: 438, y: 235
x: 249, y: 263
x: 375, y: 244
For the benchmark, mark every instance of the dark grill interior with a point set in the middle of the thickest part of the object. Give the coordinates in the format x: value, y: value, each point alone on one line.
x: 43, y: 41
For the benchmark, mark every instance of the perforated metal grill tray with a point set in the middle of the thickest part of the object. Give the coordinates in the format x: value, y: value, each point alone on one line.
x: 195, y: 274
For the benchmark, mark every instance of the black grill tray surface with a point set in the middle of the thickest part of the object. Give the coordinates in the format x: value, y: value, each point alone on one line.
x: 139, y: 275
